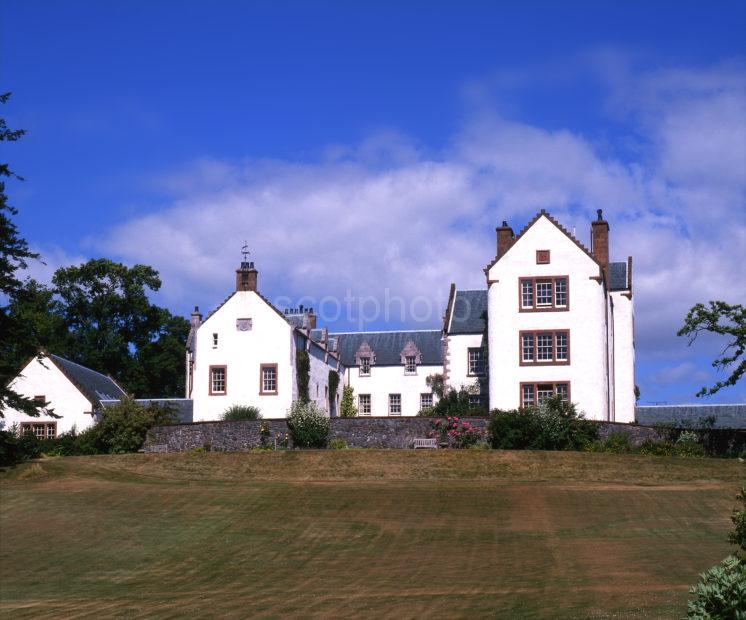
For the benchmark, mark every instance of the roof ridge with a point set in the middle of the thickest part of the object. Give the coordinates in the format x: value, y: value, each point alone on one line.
x: 390, y: 331
x: 64, y: 359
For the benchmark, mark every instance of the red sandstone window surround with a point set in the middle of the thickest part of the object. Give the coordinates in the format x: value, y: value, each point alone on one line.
x: 544, y: 347
x: 536, y: 393
x: 542, y: 294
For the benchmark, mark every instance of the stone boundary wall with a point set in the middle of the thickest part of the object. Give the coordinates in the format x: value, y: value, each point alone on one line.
x: 726, y: 416
x: 367, y: 432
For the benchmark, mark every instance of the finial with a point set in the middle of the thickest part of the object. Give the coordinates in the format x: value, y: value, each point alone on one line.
x: 505, y: 223
x: 245, y: 250
x: 599, y: 212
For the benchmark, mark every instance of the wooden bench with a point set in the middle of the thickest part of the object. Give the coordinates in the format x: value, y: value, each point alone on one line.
x: 424, y: 442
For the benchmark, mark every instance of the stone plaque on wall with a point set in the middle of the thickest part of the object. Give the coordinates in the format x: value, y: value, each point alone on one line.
x: 243, y: 325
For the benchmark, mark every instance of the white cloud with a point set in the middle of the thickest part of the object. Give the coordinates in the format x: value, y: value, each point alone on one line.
x: 387, y: 214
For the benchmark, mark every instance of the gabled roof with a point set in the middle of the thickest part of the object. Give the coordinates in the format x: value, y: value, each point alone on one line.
x: 93, y: 385
x: 543, y: 213
x: 388, y: 346
x: 468, y: 312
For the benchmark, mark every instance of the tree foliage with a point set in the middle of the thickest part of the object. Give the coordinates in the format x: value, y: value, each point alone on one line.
x: 724, y: 319
x: 303, y: 374
x: 98, y: 314
x: 14, y: 255
x: 347, y: 407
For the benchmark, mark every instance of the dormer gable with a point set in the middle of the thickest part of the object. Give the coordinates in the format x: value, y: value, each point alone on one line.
x: 410, y: 350
x: 364, y: 350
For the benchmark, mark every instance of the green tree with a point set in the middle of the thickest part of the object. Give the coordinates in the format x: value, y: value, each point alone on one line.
x: 726, y: 320
x: 347, y: 407
x: 14, y: 254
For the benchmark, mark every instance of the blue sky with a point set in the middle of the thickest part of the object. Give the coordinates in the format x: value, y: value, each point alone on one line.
x: 365, y: 147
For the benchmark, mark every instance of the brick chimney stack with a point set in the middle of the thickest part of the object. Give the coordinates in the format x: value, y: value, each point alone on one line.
x: 196, y: 318
x: 505, y: 238
x: 600, y: 242
x: 246, y: 277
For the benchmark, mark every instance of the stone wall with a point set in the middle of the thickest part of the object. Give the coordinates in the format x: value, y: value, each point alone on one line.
x: 725, y: 416
x: 356, y: 432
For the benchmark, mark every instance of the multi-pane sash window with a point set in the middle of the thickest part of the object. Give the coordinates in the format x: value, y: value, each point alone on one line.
x: 269, y: 379
x: 364, y: 366
x: 545, y: 347
x: 218, y: 379
x: 394, y: 404
x: 527, y: 294
x: 426, y: 400
x: 543, y: 293
x: 410, y: 365
x: 550, y: 293
x: 214, y: 341
x: 42, y: 430
x: 363, y: 401
x: 476, y: 361
x: 537, y: 393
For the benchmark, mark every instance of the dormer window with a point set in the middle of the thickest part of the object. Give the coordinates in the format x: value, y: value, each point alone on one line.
x: 365, y: 366
x: 410, y: 365
x: 214, y: 341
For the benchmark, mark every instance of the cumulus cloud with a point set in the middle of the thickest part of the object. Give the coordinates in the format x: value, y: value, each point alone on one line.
x: 387, y: 217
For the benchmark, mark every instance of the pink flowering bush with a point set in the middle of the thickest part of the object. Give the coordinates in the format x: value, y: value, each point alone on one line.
x: 457, y: 433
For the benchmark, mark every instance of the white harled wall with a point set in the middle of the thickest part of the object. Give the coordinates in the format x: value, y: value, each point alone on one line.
x: 458, y: 359
x: 624, y: 358
x: 269, y: 341
x: 44, y: 378
x: 385, y: 380
x: 585, y: 319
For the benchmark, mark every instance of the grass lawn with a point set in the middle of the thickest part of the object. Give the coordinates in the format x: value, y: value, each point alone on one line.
x: 374, y: 533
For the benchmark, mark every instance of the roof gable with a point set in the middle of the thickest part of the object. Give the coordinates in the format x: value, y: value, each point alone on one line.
x: 527, y: 227
x: 93, y: 385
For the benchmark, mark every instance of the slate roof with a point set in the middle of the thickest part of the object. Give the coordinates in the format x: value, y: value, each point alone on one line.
x: 387, y: 346
x: 469, y: 308
x: 618, y: 276
x: 726, y: 416
x: 182, y: 407
x: 95, y: 386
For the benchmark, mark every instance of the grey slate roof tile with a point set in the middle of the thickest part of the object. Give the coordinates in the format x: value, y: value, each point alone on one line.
x: 618, y: 276
x: 388, y: 346
x: 469, y: 308
x: 94, y: 385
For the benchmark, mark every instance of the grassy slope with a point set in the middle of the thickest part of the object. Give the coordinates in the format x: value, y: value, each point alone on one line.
x: 377, y: 533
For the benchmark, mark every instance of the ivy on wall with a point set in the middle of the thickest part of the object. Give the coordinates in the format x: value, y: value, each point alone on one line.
x: 303, y: 374
x: 333, y: 384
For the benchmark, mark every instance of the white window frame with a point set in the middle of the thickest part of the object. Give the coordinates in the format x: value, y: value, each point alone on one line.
x: 395, y: 407
x: 364, y: 402
x: 410, y: 365
x: 364, y: 370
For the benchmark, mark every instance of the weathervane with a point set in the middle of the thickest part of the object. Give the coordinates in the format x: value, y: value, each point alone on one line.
x: 245, y: 250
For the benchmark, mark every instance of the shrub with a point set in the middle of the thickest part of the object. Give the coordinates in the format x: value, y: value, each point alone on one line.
x: 688, y: 445
x: 657, y: 448
x: 236, y: 413
x: 122, y: 427
x: 721, y: 591
x: 457, y: 433
x: 308, y: 425
x: 555, y: 425
x: 16, y: 449
x: 454, y: 403
x: 615, y: 443
x: 338, y: 444
x: 738, y: 535
x: 347, y: 407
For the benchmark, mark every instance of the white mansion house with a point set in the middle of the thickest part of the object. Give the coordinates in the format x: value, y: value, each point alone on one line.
x: 554, y: 318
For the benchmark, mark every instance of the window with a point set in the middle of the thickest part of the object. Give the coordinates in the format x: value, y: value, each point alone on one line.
x: 268, y: 379
x: 394, y: 404
x: 476, y: 361
x: 214, y: 341
x: 218, y: 380
x: 426, y: 400
x: 40, y: 399
x: 545, y: 347
x: 527, y: 294
x: 42, y: 430
x: 542, y: 257
x: 550, y: 293
x: 537, y: 393
x: 475, y: 400
x: 363, y: 401
x: 364, y: 366
x: 410, y: 365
